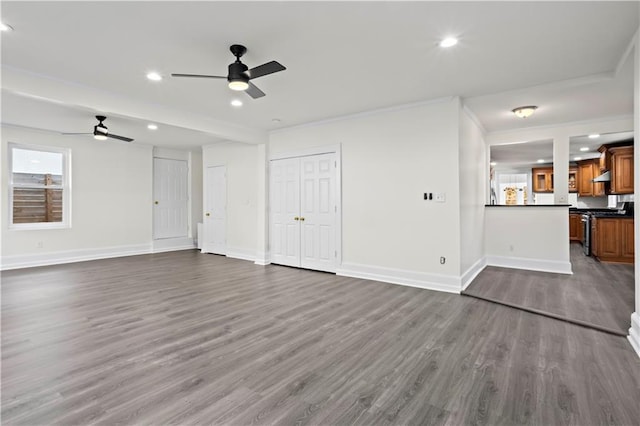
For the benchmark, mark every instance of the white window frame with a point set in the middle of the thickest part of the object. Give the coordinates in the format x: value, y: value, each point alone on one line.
x: 66, y: 188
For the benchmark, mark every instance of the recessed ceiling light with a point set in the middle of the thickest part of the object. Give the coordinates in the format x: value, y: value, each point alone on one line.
x: 152, y: 126
x: 493, y: 163
x: 275, y: 120
x: 35, y: 161
x: 154, y: 76
x: 5, y: 27
x: 577, y: 158
x: 541, y: 161
x: 584, y: 149
x: 524, y: 111
x: 594, y: 136
x: 448, y: 42
x: 236, y: 103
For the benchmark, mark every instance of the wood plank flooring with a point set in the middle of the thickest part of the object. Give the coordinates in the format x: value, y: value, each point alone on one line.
x: 188, y: 338
x: 597, y: 294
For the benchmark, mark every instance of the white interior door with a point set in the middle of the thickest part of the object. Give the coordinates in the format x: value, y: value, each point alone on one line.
x: 303, y: 212
x: 318, y: 212
x: 285, y: 211
x: 215, y: 214
x: 171, y: 199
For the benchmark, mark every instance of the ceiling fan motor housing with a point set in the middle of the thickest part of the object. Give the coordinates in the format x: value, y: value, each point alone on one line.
x: 238, y: 71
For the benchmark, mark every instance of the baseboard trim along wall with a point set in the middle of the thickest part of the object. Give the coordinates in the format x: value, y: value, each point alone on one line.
x: 542, y: 265
x: 70, y: 256
x: 262, y: 259
x: 426, y: 281
x: 239, y: 253
x: 634, y: 332
x: 173, y: 244
x: 473, y: 272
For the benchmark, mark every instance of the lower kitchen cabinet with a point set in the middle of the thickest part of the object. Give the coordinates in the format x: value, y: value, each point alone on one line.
x: 613, y: 239
x: 575, y: 227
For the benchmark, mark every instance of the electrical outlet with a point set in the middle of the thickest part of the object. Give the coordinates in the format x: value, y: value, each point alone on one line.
x: 440, y: 197
x: 39, y: 244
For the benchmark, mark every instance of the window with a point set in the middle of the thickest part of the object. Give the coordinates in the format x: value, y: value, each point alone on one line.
x: 39, y: 187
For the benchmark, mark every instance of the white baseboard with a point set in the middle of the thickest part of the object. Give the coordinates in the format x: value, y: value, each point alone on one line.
x: 473, y: 272
x: 634, y: 332
x: 70, y: 256
x: 446, y: 283
x: 173, y: 244
x: 243, y: 254
x: 262, y: 259
x: 542, y: 265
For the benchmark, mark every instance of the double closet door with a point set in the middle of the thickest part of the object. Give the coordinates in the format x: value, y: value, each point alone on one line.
x: 303, y: 212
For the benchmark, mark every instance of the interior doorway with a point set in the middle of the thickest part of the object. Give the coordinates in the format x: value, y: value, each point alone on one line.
x: 215, y: 214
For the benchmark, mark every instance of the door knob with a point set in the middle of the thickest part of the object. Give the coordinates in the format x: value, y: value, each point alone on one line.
x: 296, y: 218
x: 156, y: 202
x: 207, y: 214
x: 302, y: 219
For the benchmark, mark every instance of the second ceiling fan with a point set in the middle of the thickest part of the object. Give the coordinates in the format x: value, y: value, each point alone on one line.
x: 239, y: 75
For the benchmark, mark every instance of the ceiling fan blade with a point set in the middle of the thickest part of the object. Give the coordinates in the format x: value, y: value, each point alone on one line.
x: 254, y: 92
x: 197, y: 76
x: 122, y: 138
x: 266, y: 69
x: 76, y: 133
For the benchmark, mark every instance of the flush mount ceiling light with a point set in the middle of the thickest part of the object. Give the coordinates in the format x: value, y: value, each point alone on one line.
x: 236, y: 103
x: 577, y: 158
x: 584, y: 149
x: 448, y: 42
x: 5, y: 27
x: 493, y: 163
x: 594, y: 136
x: 541, y: 160
x: 524, y: 111
x: 154, y: 76
x: 152, y: 126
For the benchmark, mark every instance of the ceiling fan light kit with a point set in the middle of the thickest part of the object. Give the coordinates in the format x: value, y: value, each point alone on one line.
x: 239, y: 74
x: 524, y: 111
x: 101, y: 133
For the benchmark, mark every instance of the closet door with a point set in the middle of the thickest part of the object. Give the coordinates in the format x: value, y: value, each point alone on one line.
x: 285, y: 211
x: 215, y: 215
x: 303, y: 212
x: 318, y: 212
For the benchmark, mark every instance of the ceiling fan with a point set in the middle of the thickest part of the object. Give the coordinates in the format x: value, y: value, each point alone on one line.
x: 101, y: 133
x: 239, y: 74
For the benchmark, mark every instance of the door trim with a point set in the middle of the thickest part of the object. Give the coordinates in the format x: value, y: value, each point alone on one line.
x: 325, y: 149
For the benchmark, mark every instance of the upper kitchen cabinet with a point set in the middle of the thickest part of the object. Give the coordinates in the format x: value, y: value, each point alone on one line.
x: 621, y: 170
x: 587, y: 170
x: 542, y: 179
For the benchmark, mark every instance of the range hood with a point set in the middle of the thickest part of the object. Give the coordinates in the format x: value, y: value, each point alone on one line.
x: 605, y: 177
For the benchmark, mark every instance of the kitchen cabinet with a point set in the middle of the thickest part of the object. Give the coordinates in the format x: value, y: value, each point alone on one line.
x: 575, y: 227
x: 613, y: 239
x: 604, y: 162
x: 621, y: 170
x: 593, y: 242
x: 542, y: 178
x: 587, y: 170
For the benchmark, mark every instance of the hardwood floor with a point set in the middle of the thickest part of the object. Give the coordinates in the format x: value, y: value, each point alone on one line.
x: 187, y: 338
x: 599, y: 295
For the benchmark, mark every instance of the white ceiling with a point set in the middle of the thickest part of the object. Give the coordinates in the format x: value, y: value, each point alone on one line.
x: 341, y: 57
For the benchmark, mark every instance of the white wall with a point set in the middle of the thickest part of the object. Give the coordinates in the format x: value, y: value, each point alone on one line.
x: 528, y: 237
x: 111, y: 201
x: 242, y: 194
x: 474, y: 173
x: 389, y: 159
x: 196, y: 191
x: 634, y: 331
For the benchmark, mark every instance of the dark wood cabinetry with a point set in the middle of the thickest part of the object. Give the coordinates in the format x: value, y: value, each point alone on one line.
x: 575, y: 227
x: 587, y: 170
x: 621, y: 170
x: 612, y: 239
x: 543, y: 179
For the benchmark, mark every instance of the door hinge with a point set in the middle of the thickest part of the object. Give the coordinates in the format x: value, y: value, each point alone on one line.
x: 335, y: 253
x: 335, y: 163
x: 335, y: 209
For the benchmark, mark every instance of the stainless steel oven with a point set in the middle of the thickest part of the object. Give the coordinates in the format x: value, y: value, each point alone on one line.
x: 586, y: 234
